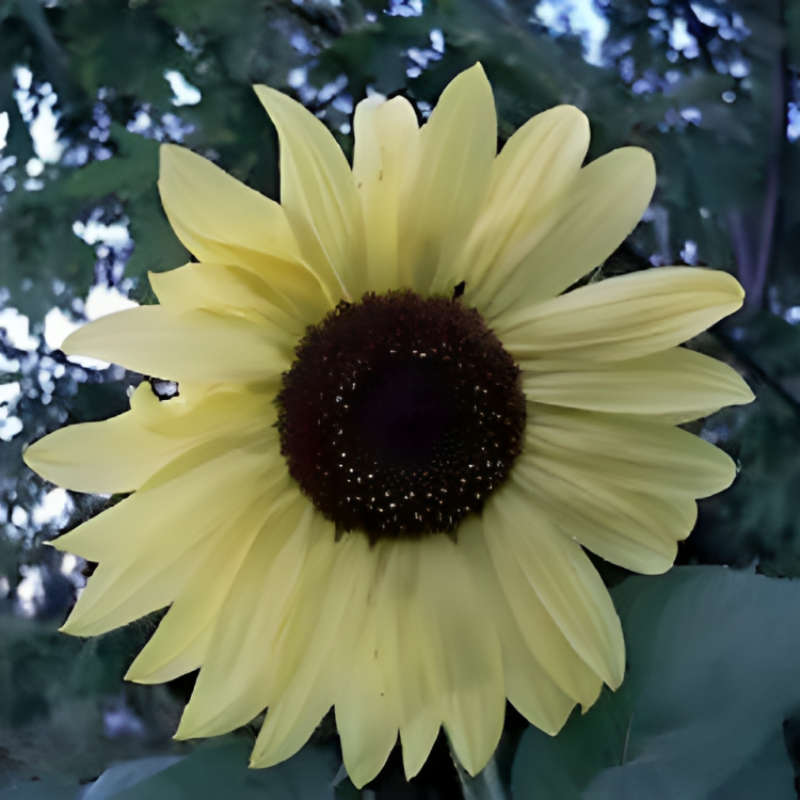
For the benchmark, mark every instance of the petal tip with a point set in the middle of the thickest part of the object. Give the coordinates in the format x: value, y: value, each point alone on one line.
x: 71, y: 628
x: 30, y: 460
x: 72, y: 346
x: 57, y: 544
x: 169, y: 156
x: 269, y: 97
x: 185, y: 730
x: 572, y: 116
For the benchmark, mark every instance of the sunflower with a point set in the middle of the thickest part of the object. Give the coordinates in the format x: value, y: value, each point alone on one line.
x: 396, y: 432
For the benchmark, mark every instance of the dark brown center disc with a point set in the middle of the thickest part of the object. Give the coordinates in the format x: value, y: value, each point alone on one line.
x: 400, y: 415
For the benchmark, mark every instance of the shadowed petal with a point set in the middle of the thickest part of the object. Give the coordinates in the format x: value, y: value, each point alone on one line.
x: 563, y: 578
x: 634, y: 452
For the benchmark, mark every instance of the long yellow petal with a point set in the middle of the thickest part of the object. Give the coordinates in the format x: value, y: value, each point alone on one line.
x: 231, y: 690
x: 86, y: 457
x: 386, y: 138
x: 222, y: 221
x: 529, y: 618
x: 536, y: 164
x: 218, y: 218
x: 366, y: 707
x: 418, y: 733
x: 676, y: 381
x: 636, y: 453
x: 408, y: 664
x: 183, y: 519
x: 318, y: 195
x: 637, y: 530
x: 447, y: 181
x: 180, y: 643
x: 324, y: 665
x: 466, y: 653
x: 193, y: 346
x: 529, y: 686
x: 208, y: 415
x: 563, y: 578
x: 583, y: 228
x: 293, y: 718
x: 624, y: 317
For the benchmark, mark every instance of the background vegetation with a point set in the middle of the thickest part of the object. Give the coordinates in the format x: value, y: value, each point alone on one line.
x: 711, y: 704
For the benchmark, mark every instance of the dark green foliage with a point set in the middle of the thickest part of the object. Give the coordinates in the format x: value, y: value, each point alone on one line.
x: 711, y: 680
x: 218, y: 768
x: 55, y: 692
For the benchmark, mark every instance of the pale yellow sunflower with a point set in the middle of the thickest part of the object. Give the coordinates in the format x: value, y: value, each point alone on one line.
x: 396, y: 432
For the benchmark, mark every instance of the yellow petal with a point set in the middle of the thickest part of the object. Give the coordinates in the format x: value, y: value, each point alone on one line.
x: 418, y: 734
x: 581, y: 230
x: 536, y: 165
x: 637, y: 530
x: 318, y: 195
x: 676, y: 381
x: 406, y: 661
x: 293, y: 718
x: 232, y: 291
x: 447, y: 180
x: 117, y: 533
x: 634, y: 453
x: 529, y: 687
x: 206, y: 416
x: 193, y: 346
x: 466, y: 653
x: 386, y: 137
x: 179, y: 521
x: 231, y: 690
x: 532, y: 691
x: 563, y: 578
x: 178, y: 651
x: 183, y: 636
x: 530, y: 619
x: 116, y: 455
x: 222, y: 221
x: 624, y: 317
x: 366, y: 708
x: 324, y: 665
x: 218, y: 218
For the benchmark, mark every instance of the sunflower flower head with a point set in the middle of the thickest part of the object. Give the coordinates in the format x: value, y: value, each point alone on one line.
x: 397, y: 431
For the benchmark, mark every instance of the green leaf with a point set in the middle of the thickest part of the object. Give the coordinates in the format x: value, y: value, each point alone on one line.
x: 712, y: 676
x: 130, y: 173
x: 128, y: 774
x: 218, y: 768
